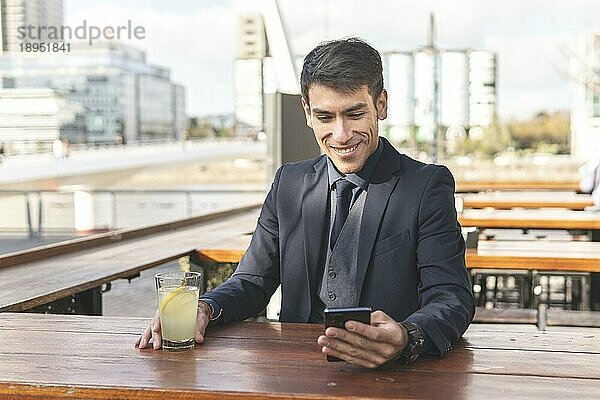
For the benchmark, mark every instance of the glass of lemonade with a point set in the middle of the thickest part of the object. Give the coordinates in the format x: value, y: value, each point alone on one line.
x: 178, y: 304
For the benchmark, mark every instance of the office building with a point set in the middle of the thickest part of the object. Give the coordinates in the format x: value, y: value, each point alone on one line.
x: 265, y: 65
x: 124, y: 98
x: 585, y: 111
x: 248, y: 72
x: 24, y: 13
x: 31, y: 119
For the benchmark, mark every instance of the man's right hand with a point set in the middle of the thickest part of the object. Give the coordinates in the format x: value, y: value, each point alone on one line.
x: 152, y: 332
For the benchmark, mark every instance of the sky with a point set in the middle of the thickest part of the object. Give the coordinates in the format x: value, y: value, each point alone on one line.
x: 197, y: 40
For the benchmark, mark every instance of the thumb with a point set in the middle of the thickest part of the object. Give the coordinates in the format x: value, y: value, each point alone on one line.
x: 379, y: 317
x: 201, y: 323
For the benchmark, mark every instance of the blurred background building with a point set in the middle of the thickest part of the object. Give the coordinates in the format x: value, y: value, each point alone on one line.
x: 453, y: 90
x: 121, y: 97
x: 31, y: 119
x: 124, y: 98
x: 264, y: 65
x: 17, y: 13
x: 248, y: 72
x: 585, y: 111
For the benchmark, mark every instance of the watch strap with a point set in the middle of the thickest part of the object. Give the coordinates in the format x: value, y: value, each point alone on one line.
x: 416, y: 343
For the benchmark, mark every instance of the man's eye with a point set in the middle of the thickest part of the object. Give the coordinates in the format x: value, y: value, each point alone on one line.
x: 323, y: 118
x: 356, y: 115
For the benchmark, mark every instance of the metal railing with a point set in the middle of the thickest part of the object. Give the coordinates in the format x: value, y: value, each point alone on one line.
x: 38, y: 212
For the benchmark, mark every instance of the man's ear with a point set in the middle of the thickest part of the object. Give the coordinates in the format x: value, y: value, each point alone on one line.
x: 307, y: 112
x: 382, y: 105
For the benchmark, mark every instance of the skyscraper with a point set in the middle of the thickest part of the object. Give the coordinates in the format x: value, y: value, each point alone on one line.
x: 23, y: 13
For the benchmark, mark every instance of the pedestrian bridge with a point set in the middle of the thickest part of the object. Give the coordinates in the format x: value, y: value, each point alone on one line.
x: 113, y: 159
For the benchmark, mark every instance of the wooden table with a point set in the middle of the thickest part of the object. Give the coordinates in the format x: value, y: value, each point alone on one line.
x: 53, y: 273
x: 483, y: 185
x: 55, y: 356
x: 511, y: 199
x: 536, y: 255
x: 540, y: 255
x: 531, y: 219
x: 541, y: 219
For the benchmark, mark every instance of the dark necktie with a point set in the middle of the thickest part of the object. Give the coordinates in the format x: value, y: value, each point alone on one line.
x: 343, y: 196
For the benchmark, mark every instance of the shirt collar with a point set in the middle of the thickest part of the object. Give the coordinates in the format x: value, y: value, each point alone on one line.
x: 360, y: 178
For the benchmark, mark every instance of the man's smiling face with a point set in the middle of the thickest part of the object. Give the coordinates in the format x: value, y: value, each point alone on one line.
x: 345, y: 124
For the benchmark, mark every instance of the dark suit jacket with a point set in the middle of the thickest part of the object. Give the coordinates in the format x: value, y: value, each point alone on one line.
x: 410, y: 258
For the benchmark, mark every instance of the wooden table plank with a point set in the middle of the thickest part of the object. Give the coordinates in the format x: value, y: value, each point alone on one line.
x: 534, y: 219
x: 516, y: 337
x: 538, y: 255
x: 483, y: 185
x: 507, y: 200
x: 305, y: 352
x: 226, y: 251
x: 41, y: 359
x: 292, y: 383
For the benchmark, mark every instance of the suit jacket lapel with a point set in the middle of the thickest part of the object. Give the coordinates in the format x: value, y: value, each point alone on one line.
x: 381, y: 186
x: 314, y: 218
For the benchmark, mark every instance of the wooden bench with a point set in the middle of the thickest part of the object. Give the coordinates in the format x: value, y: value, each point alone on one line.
x: 77, y: 270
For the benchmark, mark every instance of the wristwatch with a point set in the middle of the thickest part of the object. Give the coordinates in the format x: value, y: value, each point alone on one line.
x: 415, y: 346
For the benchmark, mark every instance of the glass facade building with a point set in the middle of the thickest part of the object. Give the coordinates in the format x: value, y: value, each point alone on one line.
x: 19, y: 13
x: 124, y: 98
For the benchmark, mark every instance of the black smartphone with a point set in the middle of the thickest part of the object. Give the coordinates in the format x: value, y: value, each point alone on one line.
x: 337, y: 317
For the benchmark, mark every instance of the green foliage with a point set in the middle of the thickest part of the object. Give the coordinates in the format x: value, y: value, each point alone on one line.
x: 543, y: 133
x: 207, y: 128
x: 217, y: 273
x: 494, y: 139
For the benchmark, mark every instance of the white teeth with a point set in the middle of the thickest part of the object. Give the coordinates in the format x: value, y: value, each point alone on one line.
x: 345, y: 151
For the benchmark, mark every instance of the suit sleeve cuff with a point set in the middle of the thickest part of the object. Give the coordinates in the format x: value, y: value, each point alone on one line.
x: 217, y: 310
x: 429, y: 348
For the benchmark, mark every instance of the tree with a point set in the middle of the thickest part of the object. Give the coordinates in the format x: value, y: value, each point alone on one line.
x: 544, y: 131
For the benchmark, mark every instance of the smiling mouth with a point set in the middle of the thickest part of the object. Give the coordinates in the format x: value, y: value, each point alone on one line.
x: 345, y: 150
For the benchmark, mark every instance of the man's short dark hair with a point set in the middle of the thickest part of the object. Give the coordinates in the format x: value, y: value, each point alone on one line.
x: 343, y: 65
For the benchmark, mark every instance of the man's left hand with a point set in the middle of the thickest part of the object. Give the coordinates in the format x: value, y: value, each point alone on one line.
x: 366, y: 345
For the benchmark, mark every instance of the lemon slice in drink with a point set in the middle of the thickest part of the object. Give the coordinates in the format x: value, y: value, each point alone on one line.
x: 176, y: 298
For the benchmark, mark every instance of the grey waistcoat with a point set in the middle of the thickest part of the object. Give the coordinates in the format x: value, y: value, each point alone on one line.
x: 339, y: 287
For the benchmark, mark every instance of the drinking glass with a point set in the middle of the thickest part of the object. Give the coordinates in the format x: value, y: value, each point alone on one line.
x: 178, y: 304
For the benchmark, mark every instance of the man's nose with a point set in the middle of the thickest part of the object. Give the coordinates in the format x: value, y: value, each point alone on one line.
x: 341, y: 131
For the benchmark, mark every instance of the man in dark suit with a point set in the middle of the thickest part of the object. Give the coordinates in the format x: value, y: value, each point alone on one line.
x: 361, y: 225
